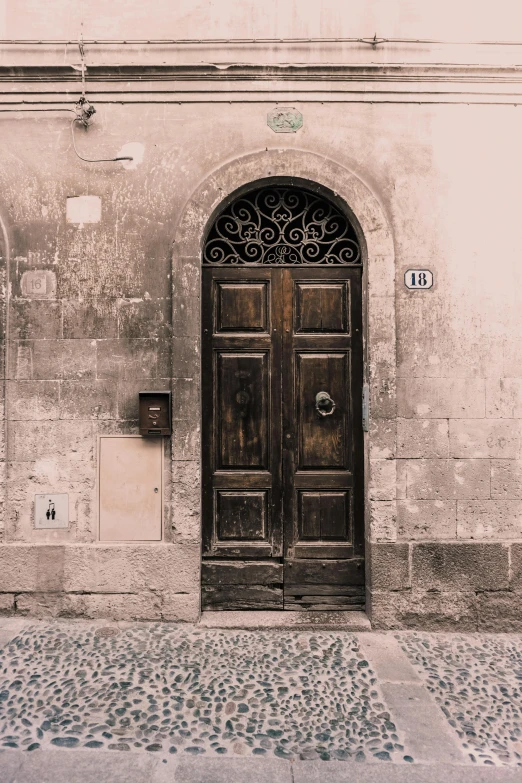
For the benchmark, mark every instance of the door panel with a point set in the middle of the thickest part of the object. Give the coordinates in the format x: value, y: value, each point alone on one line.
x: 322, y: 308
x: 241, y: 307
x: 324, y: 516
x: 322, y: 438
x: 242, y: 406
x: 241, y: 458
x: 242, y: 516
x: 282, y: 483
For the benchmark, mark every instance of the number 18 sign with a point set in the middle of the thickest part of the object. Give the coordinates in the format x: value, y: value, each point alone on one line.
x: 418, y: 279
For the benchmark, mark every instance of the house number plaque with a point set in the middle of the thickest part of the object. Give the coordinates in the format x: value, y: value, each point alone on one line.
x: 418, y: 279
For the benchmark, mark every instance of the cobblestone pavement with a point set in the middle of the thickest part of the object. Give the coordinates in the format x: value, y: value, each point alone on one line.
x: 180, y: 692
x: 477, y: 682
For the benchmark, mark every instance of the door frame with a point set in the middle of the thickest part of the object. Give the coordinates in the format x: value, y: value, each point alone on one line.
x: 352, y: 195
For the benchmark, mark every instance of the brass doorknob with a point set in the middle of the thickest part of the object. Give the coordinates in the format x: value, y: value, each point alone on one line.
x: 324, y: 404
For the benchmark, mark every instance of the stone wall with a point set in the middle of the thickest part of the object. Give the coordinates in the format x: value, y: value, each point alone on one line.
x: 432, y: 182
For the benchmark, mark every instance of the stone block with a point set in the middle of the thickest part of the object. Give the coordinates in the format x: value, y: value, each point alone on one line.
x: 50, y: 439
x: 145, y: 318
x: 133, y: 359
x: 382, y: 329
x: 419, y: 520
x: 186, y: 398
x: 452, y: 567
x: 186, y: 316
x: 504, y: 398
x: 40, y: 605
x: 499, y: 612
x: 383, y: 398
x: 186, y: 519
x: 383, y: 438
x: 186, y: 280
x: 32, y: 400
x: 146, y: 606
x: 383, y: 479
x: 447, y: 342
x: 186, y: 439
x: 92, y: 400
x: 489, y: 519
x: 417, y: 438
x: 38, y: 319
x: 402, y: 478
x: 441, y: 398
x: 186, y: 354
x: 443, y: 479
x: 426, y: 611
x: 132, y: 568
x: 128, y: 391
x: 35, y: 359
x: 506, y: 478
x: 512, y: 356
x: 516, y: 567
x: 181, y: 607
x: 79, y: 359
x: 479, y: 438
x: 389, y: 566
x: 96, y: 318
x: 383, y: 520
x: 7, y: 604
x: 381, y: 276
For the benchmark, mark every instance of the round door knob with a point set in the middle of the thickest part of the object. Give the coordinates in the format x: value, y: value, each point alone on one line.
x: 324, y: 404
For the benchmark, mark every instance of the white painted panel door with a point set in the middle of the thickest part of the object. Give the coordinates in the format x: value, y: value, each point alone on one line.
x: 130, y: 489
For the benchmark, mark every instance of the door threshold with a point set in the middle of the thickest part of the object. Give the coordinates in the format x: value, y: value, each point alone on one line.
x: 294, y: 621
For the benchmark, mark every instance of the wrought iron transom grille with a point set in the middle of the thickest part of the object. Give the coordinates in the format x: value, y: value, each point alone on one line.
x: 281, y: 225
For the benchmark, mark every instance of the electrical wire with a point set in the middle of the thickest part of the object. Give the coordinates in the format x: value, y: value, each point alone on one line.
x: 96, y: 160
x: 374, y: 41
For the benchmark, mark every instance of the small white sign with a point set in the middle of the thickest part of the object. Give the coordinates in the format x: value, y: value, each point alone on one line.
x: 38, y: 284
x: 83, y: 209
x: 418, y: 279
x: 51, y: 511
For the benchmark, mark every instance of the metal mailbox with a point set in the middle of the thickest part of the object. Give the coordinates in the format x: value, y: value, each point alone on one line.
x: 155, y: 413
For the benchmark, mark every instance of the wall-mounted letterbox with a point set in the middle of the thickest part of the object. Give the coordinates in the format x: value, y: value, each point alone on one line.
x: 155, y: 413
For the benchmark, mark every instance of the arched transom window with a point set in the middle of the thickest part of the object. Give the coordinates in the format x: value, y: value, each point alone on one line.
x: 281, y: 225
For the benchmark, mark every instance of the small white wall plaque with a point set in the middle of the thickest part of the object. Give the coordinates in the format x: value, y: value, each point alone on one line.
x: 418, y: 279
x: 83, y: 209
x: 38, y: 284
x: 51, y: 511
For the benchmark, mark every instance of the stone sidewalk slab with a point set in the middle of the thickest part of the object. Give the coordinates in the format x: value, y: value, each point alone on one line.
x: 337, y: 772
x: 105, y: 767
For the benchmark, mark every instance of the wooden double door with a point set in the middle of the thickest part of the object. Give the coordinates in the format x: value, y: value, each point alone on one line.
x: 282, y: 438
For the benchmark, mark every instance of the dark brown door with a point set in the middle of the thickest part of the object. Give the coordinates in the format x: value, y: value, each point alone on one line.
x: 282, y: 438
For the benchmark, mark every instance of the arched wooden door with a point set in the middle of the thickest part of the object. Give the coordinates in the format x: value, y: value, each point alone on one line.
x: 282, y: 387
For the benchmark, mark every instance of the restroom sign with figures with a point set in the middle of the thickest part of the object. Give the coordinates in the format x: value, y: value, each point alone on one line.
x: 418, y: 279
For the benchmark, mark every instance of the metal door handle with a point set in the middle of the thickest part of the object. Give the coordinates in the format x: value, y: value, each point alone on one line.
x: 324, y: 404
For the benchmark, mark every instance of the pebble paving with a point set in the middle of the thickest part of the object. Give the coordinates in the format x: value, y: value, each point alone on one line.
x: 477, y: 682
x: 169, y: 690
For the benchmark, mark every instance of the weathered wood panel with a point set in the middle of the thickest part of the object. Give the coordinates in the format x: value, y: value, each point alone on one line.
x: 233, y: 597
x: 326, y: 572
x: 241, y: 573
x: 242, y: 395
x: 241, y: 307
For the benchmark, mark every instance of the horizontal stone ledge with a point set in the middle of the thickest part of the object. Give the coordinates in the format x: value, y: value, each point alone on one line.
x: 100, y: 568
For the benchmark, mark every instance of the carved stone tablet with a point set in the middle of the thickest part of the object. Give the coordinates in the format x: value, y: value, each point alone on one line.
x: 285, y: 119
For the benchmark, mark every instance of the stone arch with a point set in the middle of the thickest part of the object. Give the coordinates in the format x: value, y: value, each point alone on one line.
x: 369, y: 218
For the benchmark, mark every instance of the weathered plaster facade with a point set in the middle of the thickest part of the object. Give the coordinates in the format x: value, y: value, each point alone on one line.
x: 423, y: 154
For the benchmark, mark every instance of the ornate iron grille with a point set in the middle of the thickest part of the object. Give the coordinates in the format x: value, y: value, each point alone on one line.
x: 281, y: 225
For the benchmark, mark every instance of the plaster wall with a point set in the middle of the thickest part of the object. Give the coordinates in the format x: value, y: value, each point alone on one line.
x: 196, y: 19
x: 445, y: 366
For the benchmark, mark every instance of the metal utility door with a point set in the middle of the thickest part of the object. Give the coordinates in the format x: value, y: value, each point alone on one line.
x: 130, y: 488
x: 282, y: 438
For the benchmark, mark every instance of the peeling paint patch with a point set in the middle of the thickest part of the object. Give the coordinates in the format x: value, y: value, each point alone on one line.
x: 83, y: 209
x: 133, y: 150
